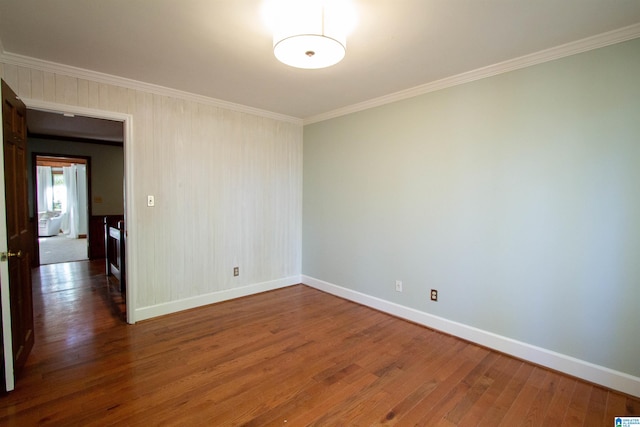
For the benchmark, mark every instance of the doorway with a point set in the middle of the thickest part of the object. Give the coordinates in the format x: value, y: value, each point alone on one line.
x: 62, y: 190
x: 8, y: 334
x: 103, y: 188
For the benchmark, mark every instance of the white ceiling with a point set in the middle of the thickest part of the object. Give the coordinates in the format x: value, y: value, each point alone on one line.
x: 222, y: 49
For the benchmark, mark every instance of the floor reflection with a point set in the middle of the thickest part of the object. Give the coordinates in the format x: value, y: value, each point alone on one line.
x: 74, y: 301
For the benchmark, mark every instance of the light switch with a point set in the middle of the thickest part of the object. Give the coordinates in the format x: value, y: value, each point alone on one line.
x: 151, y: 201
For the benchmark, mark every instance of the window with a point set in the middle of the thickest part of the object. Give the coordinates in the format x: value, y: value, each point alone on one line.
x: 59, y: 191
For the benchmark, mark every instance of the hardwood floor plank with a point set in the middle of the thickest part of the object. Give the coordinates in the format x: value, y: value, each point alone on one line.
x: 576, y: 411
x: 522, y: 404
x: 540, y: 404
x: 477, y: 383
x: 632, y: 406
x: 499, y: 374
x: 407, y: 392
x: 619, y: 405
x: 496, y: 413
x: 448, y: 389
x: 560, y: 401
x: 452, y: 407
x: 293, y: 356
x: 596, y: 408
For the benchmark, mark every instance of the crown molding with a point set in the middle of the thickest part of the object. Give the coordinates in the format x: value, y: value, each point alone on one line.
x: 568, y: 49
x: 81, y: 73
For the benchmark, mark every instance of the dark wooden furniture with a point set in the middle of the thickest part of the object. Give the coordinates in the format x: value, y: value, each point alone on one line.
x: 114, y: 238
x: 96, y: 237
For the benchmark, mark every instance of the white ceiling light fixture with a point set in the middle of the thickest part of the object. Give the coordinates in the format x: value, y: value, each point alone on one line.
x: 310, y: 33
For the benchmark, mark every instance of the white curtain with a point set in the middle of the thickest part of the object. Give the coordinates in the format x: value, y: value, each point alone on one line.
x: 72, y: 217
x: 45, y: 189
x: 83, y: 220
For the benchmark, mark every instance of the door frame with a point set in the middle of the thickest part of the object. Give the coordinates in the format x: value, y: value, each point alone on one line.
x: 129, y: 213
x: 34, y: 201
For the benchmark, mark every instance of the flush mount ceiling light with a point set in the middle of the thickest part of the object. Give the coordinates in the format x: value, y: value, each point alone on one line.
x: 309, y: 33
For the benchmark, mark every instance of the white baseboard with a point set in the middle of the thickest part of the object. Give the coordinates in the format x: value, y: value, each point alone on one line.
x: 569, y: 365
x: 149, y: 312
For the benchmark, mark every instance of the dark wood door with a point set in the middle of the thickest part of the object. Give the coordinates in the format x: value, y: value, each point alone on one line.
x: 19, y: 233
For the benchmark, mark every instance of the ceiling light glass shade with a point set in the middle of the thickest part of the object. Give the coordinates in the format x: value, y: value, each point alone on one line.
x: 309, y: 51
x: 310, y: 33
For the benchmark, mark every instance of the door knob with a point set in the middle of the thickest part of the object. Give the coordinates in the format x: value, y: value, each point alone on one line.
x: 6, y: 255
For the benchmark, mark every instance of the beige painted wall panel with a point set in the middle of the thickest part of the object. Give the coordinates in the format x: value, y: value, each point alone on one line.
x: 66, y: 90
x: 118, y: 99
x: 83, y: 93
x: 24, y: 82
x: 11, y: 76
x: 49, y: 89
x: 103, y: 97
x: 94, y: 95
x: 37, y: 84
x: 144, y: 179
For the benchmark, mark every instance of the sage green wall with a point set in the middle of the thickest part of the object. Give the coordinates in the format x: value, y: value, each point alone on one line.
x: 516, y: 196
x: 107, y: 171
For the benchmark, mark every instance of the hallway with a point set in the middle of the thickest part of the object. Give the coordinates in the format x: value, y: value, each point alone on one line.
x: 74, y: 306
x: 73, y: 301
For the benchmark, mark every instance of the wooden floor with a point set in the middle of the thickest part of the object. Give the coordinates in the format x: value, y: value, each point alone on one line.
x: 293, y: 357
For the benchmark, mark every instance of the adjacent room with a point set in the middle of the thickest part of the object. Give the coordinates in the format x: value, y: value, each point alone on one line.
x: 61, y: 187
x: 428, y: 216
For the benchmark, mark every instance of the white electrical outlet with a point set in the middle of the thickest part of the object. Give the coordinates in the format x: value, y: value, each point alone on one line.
x: 398, y: 285
x: 151, y: 201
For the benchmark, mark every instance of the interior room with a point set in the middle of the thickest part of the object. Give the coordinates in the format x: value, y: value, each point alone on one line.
x: 62, y: 202
x: 467, y: 168
x: 96, y: 145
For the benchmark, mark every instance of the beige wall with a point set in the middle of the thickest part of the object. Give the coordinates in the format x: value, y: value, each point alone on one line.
x: 227, y: 185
